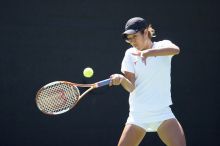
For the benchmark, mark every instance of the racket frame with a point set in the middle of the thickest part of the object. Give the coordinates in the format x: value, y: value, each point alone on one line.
x: 75, y: 85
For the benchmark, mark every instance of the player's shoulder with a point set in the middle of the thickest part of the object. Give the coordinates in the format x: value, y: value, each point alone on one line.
x: 130, y: 50
x: 163, y: 41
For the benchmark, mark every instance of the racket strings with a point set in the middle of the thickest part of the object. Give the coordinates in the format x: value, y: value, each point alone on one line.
x: 58, y: 98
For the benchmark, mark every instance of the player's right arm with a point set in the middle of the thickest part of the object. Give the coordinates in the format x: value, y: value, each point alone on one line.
x: 127, y: 81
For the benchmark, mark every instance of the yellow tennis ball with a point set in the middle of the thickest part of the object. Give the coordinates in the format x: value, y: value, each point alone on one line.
x: 88, y: 72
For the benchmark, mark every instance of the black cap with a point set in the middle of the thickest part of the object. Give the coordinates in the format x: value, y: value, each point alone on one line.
x: 134, y: 25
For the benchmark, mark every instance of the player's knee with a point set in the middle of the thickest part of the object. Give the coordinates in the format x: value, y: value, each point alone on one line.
x: 122, y: 144
x: 178, y: 143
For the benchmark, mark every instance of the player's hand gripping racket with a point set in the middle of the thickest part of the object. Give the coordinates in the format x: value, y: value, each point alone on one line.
x: 60, y: 96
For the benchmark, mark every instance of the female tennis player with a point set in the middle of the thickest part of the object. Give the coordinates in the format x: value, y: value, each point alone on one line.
x: 146, y: 67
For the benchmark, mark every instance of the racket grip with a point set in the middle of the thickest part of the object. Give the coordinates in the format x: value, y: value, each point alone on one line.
x: 103, y: 83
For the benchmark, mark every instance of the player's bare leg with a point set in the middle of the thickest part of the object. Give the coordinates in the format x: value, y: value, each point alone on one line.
x: 171, y: 133
x: 132, y: 135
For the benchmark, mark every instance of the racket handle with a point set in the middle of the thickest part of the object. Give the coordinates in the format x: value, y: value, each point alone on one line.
x: 103, y: 83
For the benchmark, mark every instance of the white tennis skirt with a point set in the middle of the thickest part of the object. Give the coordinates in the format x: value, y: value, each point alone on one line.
x: 150, y: 120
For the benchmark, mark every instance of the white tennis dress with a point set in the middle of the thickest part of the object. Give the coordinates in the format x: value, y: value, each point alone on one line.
x: 149, y: 102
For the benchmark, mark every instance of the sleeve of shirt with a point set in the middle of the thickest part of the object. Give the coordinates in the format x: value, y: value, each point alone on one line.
x: 167, y: 44
x: 127, y: 64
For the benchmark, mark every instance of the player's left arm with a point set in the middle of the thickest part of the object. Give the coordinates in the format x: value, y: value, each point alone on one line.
x: 166, y: 51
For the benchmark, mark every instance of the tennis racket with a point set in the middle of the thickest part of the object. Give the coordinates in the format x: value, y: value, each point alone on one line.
x: 60, y: 96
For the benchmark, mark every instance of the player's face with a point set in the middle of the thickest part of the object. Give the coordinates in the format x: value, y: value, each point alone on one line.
x: 136, y: 40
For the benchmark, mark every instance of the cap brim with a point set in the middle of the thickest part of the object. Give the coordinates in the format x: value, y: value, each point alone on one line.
x: 130, y: 31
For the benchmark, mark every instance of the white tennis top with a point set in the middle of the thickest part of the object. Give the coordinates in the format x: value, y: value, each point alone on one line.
x: 153, y: 83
